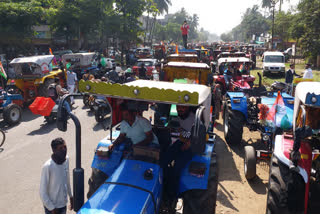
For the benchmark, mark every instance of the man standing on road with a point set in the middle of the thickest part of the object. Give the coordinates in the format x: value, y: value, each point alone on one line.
x: 308, y: 72
x: 71, y: 82
x: 55, y: 180
x: 185, y: 30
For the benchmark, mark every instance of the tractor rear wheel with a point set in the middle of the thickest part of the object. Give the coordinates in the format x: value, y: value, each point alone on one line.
x: 203, y: 201
x: 233, y: 122
x: 250, y: 162
x: 43, y: 88
x: 12, y: 114
x: 95, y: 181
x: 286, y: 189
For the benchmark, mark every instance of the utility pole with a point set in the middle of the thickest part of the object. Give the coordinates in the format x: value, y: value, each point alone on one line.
x: 273, y: 4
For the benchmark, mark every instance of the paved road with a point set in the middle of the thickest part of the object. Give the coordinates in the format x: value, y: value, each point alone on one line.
x: 27, y: 147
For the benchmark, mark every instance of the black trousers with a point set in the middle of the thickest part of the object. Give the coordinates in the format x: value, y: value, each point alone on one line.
x: 185, y: 38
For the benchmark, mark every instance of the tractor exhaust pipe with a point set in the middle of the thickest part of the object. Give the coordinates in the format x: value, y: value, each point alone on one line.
x: 78, y: 172
x: 260, y: 79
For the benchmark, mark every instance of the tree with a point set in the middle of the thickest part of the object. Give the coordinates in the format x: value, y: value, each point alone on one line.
x: 226, y: 37
x: 309, y: 27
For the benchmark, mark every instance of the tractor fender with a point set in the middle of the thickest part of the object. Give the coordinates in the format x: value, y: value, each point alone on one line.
x: 189, y: 181
x: 128, y: 190
x: 51, y: 75
x: 13, y: 98
x: 108, y: 165
x: 238, y: 102
x: 282, y: 148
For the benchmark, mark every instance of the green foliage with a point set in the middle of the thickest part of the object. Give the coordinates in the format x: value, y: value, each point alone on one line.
x: 252, y: 23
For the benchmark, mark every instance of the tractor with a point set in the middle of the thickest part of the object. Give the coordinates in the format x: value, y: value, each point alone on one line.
x: 241, y: 109
x: 130, y: 179
x: 11, y: 107
x: 239, y: 82
x: 32, y: 77
x: 294, y: 180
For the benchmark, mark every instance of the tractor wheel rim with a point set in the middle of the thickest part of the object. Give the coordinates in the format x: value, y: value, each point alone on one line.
x: 14, y: 114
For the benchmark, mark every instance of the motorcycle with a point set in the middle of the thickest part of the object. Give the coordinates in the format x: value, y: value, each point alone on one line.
x: 101, y: 108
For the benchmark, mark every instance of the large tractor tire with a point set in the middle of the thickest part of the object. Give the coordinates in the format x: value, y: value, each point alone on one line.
x: 250, y: 161
x: 286, y: 190
x: 12, y: 114
x: 95, y: 181
x: 43, y: 88
x: 233, y: 122
x: 203, y: 201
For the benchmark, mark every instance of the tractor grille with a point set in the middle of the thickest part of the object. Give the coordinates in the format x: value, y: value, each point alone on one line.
x: 274, y: 68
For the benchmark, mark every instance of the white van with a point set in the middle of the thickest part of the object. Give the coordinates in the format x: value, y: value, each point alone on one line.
x: 273, y: 63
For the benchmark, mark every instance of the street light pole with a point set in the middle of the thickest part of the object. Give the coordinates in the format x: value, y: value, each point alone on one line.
x: 273, y: 2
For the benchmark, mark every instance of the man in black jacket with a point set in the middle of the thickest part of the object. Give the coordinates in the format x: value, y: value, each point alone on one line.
x: 290, y: 73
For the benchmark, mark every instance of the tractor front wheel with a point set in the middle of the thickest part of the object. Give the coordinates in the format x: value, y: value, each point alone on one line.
x: 12, y: 114
x: 250, y: 162
x: 203, y: 201
x: 233, y: 122
x: 286, y: 189
x: 95, y: 181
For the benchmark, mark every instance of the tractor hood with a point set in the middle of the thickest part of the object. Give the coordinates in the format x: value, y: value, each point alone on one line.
x: 127, y: 191
x: 269, y: 101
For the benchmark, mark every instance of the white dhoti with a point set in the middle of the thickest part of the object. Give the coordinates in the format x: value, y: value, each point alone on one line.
x: 71, y: 91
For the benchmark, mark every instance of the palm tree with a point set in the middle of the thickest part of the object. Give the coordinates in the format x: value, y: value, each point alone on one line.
x: 268, y: 3
x: 163, y: 5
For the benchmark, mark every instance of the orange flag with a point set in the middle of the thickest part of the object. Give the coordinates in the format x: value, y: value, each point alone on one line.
x: 177, y: 50
x: 50, y: 51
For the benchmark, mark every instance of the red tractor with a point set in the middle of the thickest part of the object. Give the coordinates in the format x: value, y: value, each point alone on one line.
x: 294, y: 180
x: 239, y: 81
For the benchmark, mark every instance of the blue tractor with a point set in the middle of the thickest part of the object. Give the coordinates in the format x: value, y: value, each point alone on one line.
x: 130, y: 179
x: 241, y: 109
x: 11, y: 106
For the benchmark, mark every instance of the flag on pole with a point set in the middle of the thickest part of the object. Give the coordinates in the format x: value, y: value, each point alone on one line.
x: 2, y: 71
x: 177, y: 49
x: 54, y: 58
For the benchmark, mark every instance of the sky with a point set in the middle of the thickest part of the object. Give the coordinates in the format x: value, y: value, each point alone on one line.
x: 219, y: 16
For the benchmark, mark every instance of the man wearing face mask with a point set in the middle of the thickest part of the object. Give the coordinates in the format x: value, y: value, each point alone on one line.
x: 55, y: 180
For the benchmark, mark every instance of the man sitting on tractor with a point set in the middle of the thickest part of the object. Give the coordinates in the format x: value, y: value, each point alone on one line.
x: 227, y: 75
x: 135, y: 128
x: 179, y: 151
x: 55, y: 91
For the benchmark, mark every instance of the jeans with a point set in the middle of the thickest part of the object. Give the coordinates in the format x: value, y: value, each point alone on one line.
x: 181, y: 158
x: 62, y: 210
x: 185, y: 38
x: 71, y: 91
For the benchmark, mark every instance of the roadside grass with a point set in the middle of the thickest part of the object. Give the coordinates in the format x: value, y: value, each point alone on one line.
x: 267, y: 81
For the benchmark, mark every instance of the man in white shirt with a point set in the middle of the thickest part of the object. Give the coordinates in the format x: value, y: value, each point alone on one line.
x: 71, y: 82
x: 55, y: 180
x: 308, y: 72
x: 109, y: 64
x: 138, y: 129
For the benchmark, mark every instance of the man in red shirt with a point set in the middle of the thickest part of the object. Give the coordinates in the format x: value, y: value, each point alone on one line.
x: 184, y: 29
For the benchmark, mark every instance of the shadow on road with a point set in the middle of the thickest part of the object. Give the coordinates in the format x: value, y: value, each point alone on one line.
x: 44, y: 129
x: 1, y: 150
x: 258, y: 186
x: 225, y: 197
x: 226, y: 162
x: 102, y: 125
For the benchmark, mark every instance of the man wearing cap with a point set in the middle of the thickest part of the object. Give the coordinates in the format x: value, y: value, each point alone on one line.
x: 308, y: 72
x: 184, y: 30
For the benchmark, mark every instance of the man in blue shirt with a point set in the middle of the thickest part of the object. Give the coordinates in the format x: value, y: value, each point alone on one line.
x: 227, y: 75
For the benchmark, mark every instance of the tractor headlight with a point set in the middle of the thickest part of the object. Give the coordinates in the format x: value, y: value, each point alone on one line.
x: 314, y: 99
x: 265, y: 137
x: 88, y: 87
x: 283, y: 68
x: 265, y: 68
